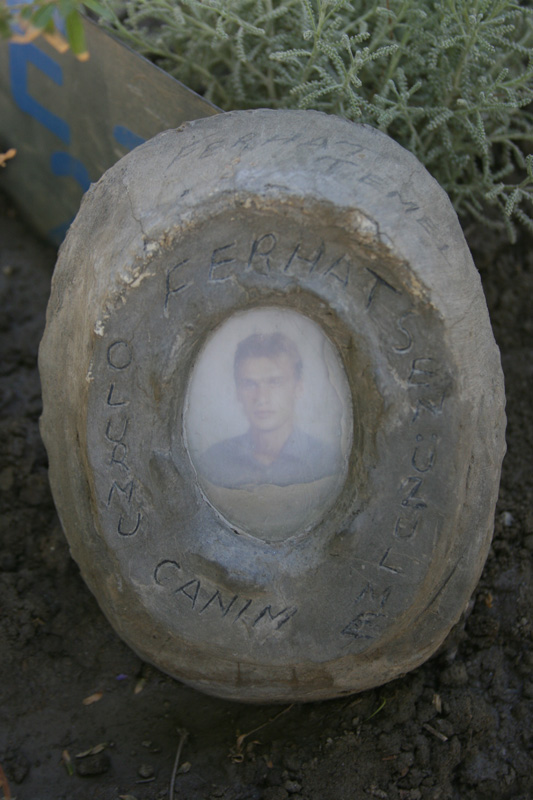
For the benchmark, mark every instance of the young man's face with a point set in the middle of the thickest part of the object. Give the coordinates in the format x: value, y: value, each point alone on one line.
x: 267, y: 388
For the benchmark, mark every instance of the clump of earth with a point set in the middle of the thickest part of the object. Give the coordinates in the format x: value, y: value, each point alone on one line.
x: 82, y: 718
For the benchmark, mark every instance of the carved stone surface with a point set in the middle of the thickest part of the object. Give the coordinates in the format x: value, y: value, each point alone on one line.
x: 322, y: 582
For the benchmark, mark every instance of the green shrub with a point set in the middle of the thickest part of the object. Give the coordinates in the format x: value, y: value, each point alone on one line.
x: 451, y: 80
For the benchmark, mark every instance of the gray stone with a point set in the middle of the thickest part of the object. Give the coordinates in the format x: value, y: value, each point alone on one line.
x: 285, y: 587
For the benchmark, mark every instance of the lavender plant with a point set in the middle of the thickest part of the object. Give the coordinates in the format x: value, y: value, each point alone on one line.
x: 451, y: 80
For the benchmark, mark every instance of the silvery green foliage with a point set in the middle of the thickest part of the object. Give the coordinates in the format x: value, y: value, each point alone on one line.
x: 451, y: 80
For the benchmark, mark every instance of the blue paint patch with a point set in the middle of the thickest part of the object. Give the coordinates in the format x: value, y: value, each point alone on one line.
x: 20, y: 56
x: 66, y: 166
x: 127, y: 138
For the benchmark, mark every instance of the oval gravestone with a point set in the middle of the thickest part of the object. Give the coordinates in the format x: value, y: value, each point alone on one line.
x: 273, y: 405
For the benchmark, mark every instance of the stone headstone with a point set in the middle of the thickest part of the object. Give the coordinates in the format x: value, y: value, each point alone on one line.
x: 273, y: 405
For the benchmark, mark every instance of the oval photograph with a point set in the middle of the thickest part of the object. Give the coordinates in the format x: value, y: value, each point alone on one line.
x: 268, y: 422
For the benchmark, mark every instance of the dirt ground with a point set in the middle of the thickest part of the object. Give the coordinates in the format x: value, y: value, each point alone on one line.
x: 460, y: 727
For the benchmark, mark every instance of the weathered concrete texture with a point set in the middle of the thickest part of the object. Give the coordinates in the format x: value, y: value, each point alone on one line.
x: 301, y: 212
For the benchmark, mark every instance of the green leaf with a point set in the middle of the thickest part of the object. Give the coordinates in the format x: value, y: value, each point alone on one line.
x: 99, y: 9
x: 5, y: 27
x: 27, y: 12
x: 43, y: 15
x: 66, y: 7
x: 75, y: 33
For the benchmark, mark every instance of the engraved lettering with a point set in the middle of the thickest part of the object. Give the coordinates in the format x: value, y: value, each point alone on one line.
x: 212, y: 147
x: 422, y: 370
x: 173, y: 283
x: 224, y: 608
x: 127, y: 491
x: 262, y: 248
x: 313, y: 261
x: 378, y: 283
x: 428, y: 225
x: 373, y: 180
x: 405, y: 528
x: 163, y: 566
x: 118, y: 456
x: 169, y: 575
x: 319, y: 141
x: 354, y: 149
x: 342, y: 278
x: 187, y: 150
x: 119, y: 355
x: 268, y: 610
x: 368, y: 591
x: 243, y: 609
x: 336, y: 161
x: 283, y: 139
x: 114, y: 437
x: 433, y: 230
x: 111, y: 401
x: 424, y: 455
x: 194, y: 586
x: 427, y: 404
x: 217, y: 262
x: 245, y: 141
x: 405, y: 332
x: 411, y: 499
x: 408, y: 205
x: 360, y: 625
x: 123, y: 532
x: 387, y: 567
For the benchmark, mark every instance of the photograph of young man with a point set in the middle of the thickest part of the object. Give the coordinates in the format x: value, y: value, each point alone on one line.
x: 268, y: 373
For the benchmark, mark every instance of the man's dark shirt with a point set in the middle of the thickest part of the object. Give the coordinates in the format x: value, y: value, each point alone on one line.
x: 231, y: 463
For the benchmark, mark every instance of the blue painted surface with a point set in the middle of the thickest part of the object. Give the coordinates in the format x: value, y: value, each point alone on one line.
x: 127, y: 138
x: 29, y: 67
x: 65, y: 165
x: 62, y: 164
x: 20, y: 56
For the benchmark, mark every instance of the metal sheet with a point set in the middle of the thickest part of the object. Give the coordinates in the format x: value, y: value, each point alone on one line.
x: 69, y: 121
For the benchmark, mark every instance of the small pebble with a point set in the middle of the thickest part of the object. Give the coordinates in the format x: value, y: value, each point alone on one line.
x: 145, y: 771
x: 93, y: 765
x: 507, y: 519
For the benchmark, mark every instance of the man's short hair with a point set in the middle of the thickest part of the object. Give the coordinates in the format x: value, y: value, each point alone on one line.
x: 268, y: 345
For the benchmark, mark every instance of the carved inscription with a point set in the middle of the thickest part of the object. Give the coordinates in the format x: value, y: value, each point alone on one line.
x: 264, y: 254
x: 428, y: 383
x: 336, y: 156
x: 363, y: 625
x: 204, y: 598
x: 120, y: 502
